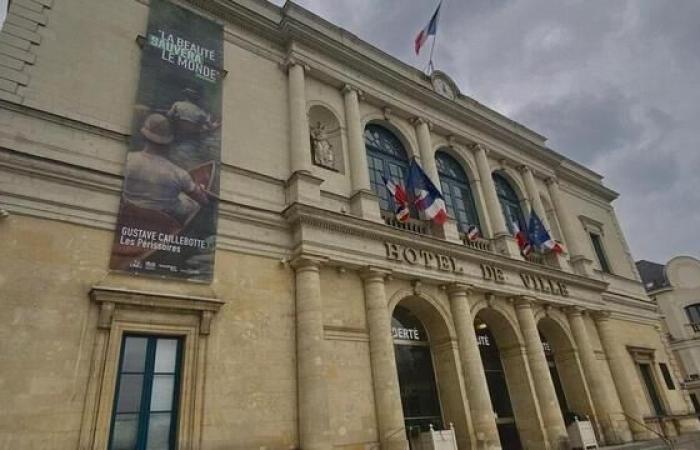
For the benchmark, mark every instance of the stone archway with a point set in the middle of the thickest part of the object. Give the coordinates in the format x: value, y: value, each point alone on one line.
x: 510, y: 383
x: 439, y: 344
x: 566, y: 370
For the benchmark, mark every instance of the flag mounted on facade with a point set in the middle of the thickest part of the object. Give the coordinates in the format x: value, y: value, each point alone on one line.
x: 521, y: 237
x: 400, y: 197
x: 473, y: 233
x: 540, y: 238
x: 427, y: 197
x: 428, y: 31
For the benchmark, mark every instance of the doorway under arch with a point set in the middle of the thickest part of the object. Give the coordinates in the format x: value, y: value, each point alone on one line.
x: 565, y: 368
x: 429, y: 372
x: 509, y: 380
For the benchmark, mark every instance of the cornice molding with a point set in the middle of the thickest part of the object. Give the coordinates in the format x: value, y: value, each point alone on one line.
x: 305, y: 215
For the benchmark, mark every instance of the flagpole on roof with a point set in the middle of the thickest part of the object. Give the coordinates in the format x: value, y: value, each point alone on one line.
x: 431, y: 66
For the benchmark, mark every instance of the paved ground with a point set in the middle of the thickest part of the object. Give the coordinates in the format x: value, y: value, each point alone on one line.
x: 686, y: 442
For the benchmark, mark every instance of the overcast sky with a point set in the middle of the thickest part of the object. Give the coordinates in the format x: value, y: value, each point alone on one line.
x: 614, y: 85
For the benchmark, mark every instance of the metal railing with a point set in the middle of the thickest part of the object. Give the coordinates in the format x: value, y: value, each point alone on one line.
x: 412, y: 225
x: 668, y: 443
x: 477, y: 244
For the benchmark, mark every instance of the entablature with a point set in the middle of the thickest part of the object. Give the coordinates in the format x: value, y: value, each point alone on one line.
x: 355, y: 243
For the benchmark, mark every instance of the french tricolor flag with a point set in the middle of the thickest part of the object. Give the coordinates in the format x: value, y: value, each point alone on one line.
x: 521, y: 237
x: 426, y: 196
x: 429, y: 30
x: 403, y: 213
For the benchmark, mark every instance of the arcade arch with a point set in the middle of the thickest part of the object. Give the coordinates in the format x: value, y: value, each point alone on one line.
x: 566, y: 370
x: 509, y: 380
x: 429, y: 371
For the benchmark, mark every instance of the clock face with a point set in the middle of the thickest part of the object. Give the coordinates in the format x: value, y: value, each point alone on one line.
x: 442, y: 88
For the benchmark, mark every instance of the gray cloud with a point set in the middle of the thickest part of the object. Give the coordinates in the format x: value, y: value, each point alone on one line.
x: 614, y: 85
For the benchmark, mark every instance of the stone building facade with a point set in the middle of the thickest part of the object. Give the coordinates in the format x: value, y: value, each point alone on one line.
x: 675, y: 287
x: 321, y: 303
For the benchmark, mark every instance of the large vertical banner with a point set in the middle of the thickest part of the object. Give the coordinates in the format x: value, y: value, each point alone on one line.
x: 167, y: 217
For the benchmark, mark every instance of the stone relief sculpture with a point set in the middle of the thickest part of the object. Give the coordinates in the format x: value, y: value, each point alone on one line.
x: 325, y: 134
x: 323, y: 151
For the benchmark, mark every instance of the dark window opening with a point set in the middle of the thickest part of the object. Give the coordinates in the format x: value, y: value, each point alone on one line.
x: 498, y: 388
x: 556, y: 380
x: 693, y: 313
x: 667, y: 376
x: 510, y: 204
x: 457, y: 192
x: 600, y: 253
x: 419, y: 394
x: 648, y: 378
x: 695, y: 402
x: 145, y: 405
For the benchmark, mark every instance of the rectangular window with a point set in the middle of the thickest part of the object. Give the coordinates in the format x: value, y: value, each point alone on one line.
x: 667, y: 376
x: 145, y: 406
x: 696, y: 403
x: 598, y: 247
x: 648, y: 378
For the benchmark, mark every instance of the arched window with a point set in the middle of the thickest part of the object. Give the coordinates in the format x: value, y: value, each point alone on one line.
x: 385, y: 157
x: 456, y: 190
x: 510, y: 203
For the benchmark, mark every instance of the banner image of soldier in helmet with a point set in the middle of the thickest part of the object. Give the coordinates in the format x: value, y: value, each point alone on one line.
x: 167, y: 217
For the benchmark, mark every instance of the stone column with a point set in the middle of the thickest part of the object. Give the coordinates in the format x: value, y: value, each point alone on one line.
x: 427, y: 158
x: 302, y: 186
x: 498, y: 222
x: 314, y: 425
x: 533, y: 194
x: 385, y: 378
x: 483, y: 417
x: 579, y: 262
x: 622, y: 373
x: 363, y: 202
x: 544, y: 387
x: 425, y: 147
x: 505, y: 243
x: 606, y: 402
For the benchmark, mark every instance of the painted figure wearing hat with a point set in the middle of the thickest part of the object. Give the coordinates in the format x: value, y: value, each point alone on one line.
x: 193, y: 127
x: 152, y: 181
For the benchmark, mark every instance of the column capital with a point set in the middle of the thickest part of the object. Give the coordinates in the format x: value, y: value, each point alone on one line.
x: 373, y: 273
x: 601, y: 316
x: 459, y: 288
x: 574, y: 311
x: 523, y: 301
x: 347, y: 88
x: 523, y: 168
x: 552, y: 181
x: 308, y: 262
x: 479, y: 148
x: 417, y: 121
x: 291, y: 61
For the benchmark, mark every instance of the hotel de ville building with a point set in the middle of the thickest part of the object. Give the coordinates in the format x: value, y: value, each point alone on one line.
x: 199, y: 250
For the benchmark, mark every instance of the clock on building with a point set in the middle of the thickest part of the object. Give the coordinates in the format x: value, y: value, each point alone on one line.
x: 443, y: 85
